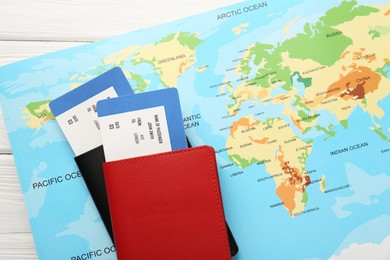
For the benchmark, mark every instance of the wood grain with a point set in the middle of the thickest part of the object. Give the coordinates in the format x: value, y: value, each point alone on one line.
x: 88, y: 20
x: 13, y: 215
x: 30, y: 28
x: 4, y: 142
x: 16, y: 240
x: 18, y: 246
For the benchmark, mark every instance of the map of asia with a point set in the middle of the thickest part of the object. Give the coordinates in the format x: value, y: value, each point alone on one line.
x: 294, y: 96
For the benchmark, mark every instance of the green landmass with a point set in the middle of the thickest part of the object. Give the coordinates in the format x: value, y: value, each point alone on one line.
x: 271, y: 71
x: 299, y: 103
x: 313, y: 44
x: 242, y: 163
x: 378, y: 31
x: 307, y: 129
x: 305, y: 197
x: 374, y: 34
x: 364, y: 102
x: 166, y: 38
x: 34, y: 106
x: 306, y: 81
x: 382, y: 70
x: 346, y: 12
x: 244, y: 67
x: 269, y: 121
x: 230, y: 106
x: 150, y: 62
x: 379, y: 132
x: 305, y: 117
x: 303, y: 157
x: 344, y: 123
x: 190, y: 40
x: 141, y: 85
x: 329, y: 132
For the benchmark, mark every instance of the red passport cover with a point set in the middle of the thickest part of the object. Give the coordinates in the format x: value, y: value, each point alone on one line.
x: 167, y: 206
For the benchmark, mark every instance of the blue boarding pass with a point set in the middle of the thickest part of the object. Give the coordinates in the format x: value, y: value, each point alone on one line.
x: 141, y: 124
x: 76, y: 112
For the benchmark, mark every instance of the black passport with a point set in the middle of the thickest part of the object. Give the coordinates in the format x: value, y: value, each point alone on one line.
x: 90, y: 165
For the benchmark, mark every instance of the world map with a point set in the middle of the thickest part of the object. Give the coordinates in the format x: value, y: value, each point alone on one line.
x: 293, y: 97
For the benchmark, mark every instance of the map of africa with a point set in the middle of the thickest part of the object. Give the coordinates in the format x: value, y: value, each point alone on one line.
x: 294, y: 98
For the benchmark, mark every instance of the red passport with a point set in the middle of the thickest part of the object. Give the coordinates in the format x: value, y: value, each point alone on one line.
x: 167, y: 206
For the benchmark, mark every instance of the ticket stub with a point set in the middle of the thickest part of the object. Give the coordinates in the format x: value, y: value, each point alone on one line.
x: 141, y: 124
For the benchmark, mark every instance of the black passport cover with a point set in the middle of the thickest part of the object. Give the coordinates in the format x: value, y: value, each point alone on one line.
x: 232, y: 241
x: 90, y: 165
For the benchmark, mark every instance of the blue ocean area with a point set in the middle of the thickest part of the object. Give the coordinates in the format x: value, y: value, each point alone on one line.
x: 353, y: 209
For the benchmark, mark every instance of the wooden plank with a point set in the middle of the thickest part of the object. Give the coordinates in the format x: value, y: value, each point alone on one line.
x: 17, y: 246
x: 91, y: 19
x: 4, y: 142
x: 13, y: 215
x: 16, y: 241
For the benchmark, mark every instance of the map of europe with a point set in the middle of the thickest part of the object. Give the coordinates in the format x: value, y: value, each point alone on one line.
x: 294, y: 98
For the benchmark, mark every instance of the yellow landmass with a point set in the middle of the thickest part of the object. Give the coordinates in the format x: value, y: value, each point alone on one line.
x: 75, y: 85
x: 274, y: 143
x: 323, y: 183
x: 73, y: 77
x: 360, y: 59
x: 245, y: 92
x: 222, y: 90
x: 34, y: 121
x: 202, y: 68
x: 287, y: 26
x: 170, y: 59
x: 79, y: 79
x: 117, y: 58
x: 376, y: 51
x: 240, y: 29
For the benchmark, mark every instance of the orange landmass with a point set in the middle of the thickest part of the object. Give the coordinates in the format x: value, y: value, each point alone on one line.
x: 357, y: 54
x: 371, y: 58
x: 261, y: 141
x: 344, y: 54
x: 294, y: 181
x: 356, y: 84
x: 387, y: 12
x: 287, y: 194
x: 297, y: 123
x: 47, y: 118
x: 242, y: 122
x: 182, y: 65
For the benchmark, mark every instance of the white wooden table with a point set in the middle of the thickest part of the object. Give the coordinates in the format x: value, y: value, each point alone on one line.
x: 29, y: 28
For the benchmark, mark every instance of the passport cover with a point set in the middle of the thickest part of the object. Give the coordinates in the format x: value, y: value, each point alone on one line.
x: 232, y: 241
x: 90, y: 165
x: 167, y: 206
